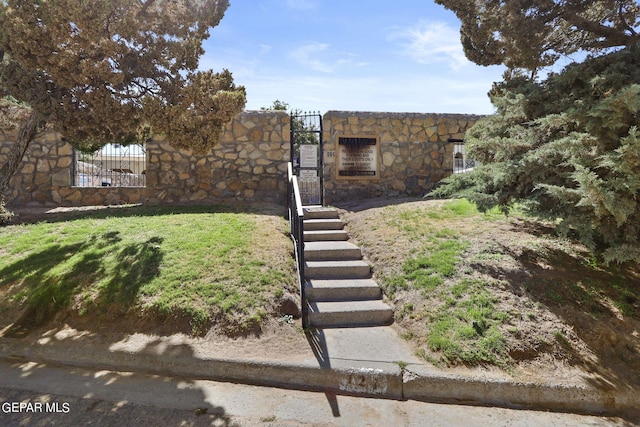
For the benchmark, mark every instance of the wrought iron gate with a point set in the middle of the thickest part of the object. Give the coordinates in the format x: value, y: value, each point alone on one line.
x: 306, y: 155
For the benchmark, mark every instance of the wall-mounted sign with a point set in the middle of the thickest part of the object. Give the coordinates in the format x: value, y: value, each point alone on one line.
x: 308, y: 156
x: 357, y: 157
x: 308, y: 175
x: 309, y: 187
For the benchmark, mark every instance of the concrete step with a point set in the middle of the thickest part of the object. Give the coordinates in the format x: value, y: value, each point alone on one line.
x: 350, y: 313
x: 331, y: 250
x: 325, y: 235
x: 342, y: 290
x: 320, y: 212
x: 323, y: 224
x: 337, y: 270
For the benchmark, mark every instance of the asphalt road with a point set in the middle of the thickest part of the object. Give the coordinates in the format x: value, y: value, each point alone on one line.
x: 33, y: 394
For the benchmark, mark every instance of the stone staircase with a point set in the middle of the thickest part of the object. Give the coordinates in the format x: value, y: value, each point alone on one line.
x: 338, y: 284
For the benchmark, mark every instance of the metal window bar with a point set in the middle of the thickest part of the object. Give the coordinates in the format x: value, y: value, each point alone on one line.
x: 113, y: 165
x: 296, y: 227
x: 461, y: 164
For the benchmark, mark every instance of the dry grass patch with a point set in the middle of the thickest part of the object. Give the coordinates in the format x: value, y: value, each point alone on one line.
x: 472, y: 289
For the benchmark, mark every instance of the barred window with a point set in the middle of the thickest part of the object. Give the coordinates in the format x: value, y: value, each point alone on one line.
x: 113, y: 165
x: 461, y: 163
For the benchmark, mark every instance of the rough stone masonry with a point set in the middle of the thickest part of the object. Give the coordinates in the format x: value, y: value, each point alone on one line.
x: 249, y: 163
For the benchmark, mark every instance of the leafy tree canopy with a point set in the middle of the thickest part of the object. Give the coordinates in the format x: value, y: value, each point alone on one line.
x: 105, y: 70
x: 110, y: 71
x: 277, y: 106
x: 568, y: 148
x: 531, y: 34
x: 304, y: 130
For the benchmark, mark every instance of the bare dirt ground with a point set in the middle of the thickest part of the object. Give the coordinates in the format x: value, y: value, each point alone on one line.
x: 538, y: 280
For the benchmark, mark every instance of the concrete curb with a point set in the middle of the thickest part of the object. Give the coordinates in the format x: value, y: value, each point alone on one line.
x: 371, y: 379
x: 378, y: 379
x: 419, y: 383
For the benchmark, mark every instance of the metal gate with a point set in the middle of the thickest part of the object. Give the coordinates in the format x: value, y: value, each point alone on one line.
x: 306, y: 155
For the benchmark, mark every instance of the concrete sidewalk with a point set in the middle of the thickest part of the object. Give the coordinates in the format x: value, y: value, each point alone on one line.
x: 373, y: 362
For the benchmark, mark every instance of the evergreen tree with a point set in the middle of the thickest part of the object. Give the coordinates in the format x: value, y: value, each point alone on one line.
x: 568, y: 148
x: 111, y: 71
x: 531, y: 34
x: 304, y: 128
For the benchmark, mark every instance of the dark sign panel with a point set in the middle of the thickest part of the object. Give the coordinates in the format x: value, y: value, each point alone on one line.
x: 357, y: 157
x: 354, y: 141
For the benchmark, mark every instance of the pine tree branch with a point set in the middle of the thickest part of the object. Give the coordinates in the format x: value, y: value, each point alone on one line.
x: 614, y: 37
x: 624, y: 23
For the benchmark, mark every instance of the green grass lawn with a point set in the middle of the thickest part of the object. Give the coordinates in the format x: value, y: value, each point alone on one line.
x: 204, y: 264
x: 462, y: 320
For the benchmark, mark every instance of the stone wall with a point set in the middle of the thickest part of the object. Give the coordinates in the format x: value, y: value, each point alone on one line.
x: 44, y: 170
x: 414, y: 152
x: 248, y: 165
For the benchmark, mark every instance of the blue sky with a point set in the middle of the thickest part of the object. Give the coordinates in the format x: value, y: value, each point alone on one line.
x: 374, y: 55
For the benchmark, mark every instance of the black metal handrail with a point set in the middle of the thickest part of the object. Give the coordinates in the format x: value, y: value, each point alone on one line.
x: 296, y: 227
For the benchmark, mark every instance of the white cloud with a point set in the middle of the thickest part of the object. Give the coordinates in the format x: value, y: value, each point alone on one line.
x: 432, y: 42
x: 301, y: 4
x: 320, y: 57
x: 265, y: 48
x: 235, y: 60
x: 306, y: 56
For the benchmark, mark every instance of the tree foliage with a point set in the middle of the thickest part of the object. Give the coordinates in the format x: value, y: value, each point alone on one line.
x: 531, y: 34
x: 112, y: 71
x: 277, y: 106
x: 303, y: 126
x: 102, y: 71
x: 568, y: 148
